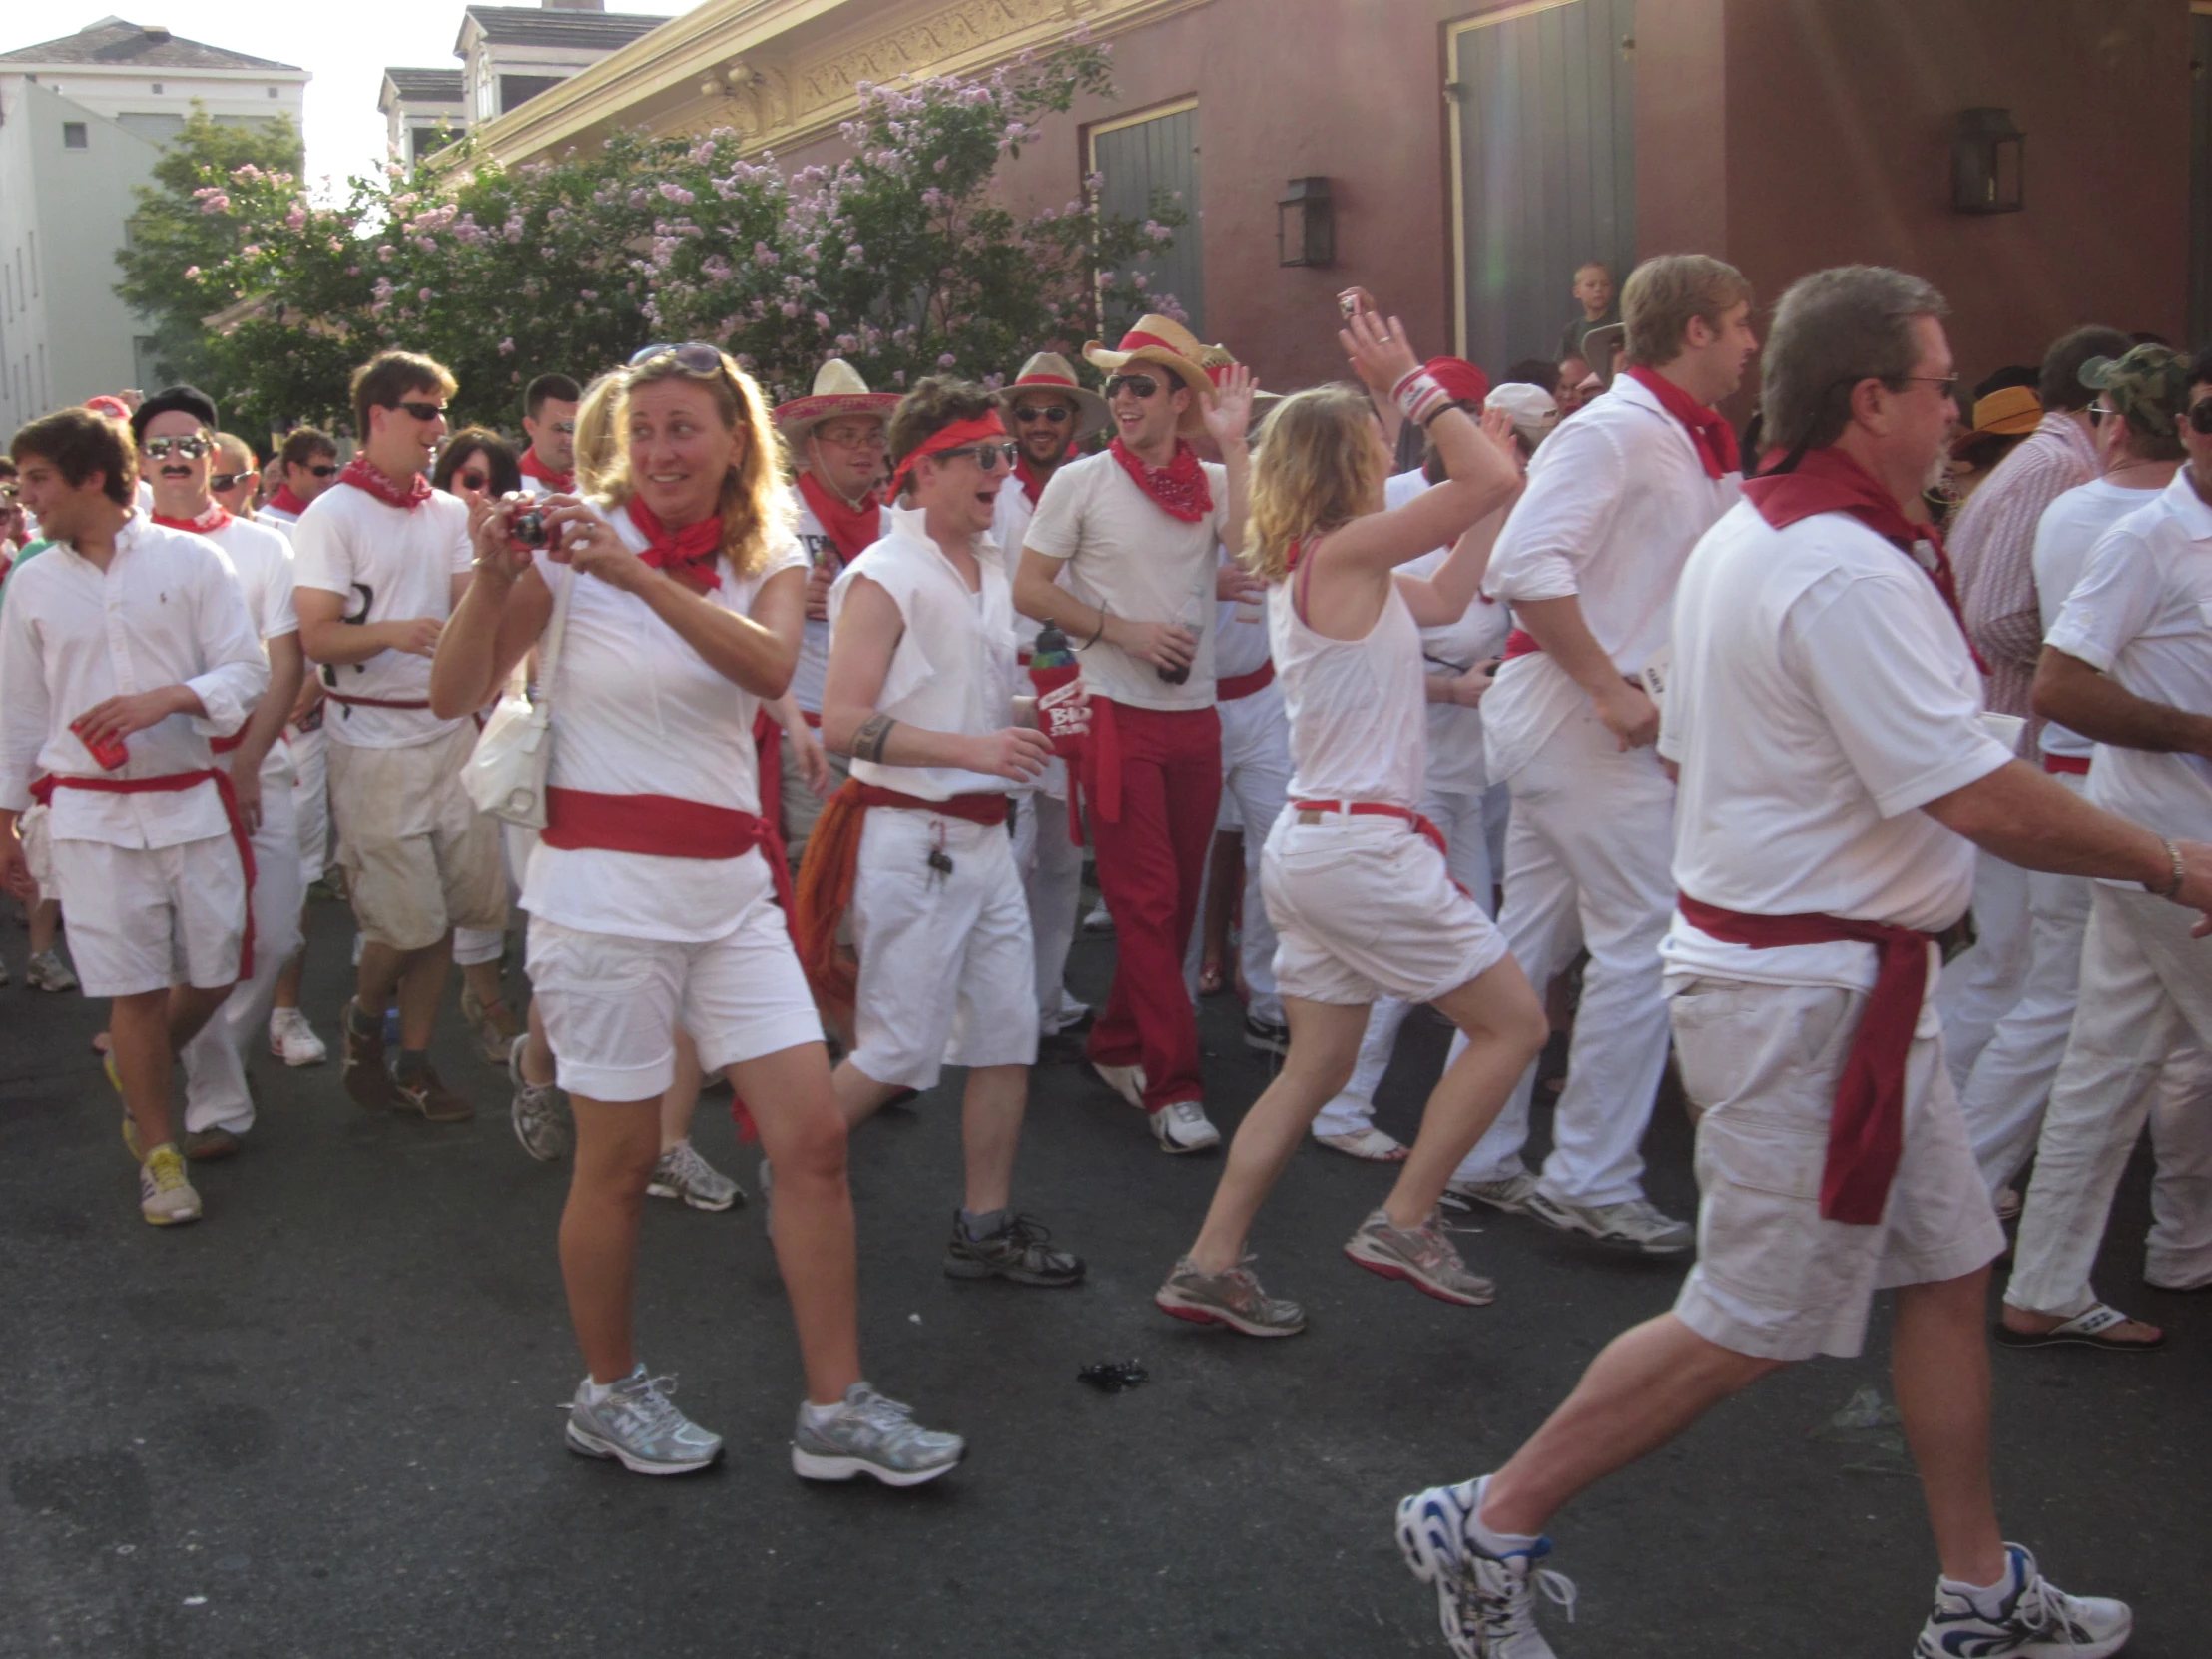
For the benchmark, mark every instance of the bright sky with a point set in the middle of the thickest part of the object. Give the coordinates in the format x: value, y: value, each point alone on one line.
x: 344, y: 46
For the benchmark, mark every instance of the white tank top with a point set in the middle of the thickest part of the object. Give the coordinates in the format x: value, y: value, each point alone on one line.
x: 1358, y: 708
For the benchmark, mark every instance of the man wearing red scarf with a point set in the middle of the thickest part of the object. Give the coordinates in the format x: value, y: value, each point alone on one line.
x: 1121, y: 555
x: 307, y: 464
x: 549, y: 416
x: 1588, y: 561
x: 1837, y: 775
x: 383, y: 559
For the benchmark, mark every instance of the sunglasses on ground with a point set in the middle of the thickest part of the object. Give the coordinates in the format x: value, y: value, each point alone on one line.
x: 989, y: 457
x: 422, y: 412
x: 1139, y: 387
x: 224, y: 481
x: 191, y: 450
x: 1057, y: 413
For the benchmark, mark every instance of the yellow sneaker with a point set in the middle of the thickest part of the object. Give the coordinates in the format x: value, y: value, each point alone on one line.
x: 166, y: 1195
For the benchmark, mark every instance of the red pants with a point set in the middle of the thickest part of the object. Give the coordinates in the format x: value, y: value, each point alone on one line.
x: 1149, y: 863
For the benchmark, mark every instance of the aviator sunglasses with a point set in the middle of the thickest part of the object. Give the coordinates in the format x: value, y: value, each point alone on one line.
x: 1139, y: 387
x: 191, y: 450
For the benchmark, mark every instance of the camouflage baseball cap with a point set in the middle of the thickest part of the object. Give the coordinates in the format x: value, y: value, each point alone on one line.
x: 2149, y: 388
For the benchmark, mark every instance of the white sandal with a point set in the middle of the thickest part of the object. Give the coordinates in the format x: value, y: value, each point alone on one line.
x: 2086, y: 1329
x: 1370, y: 1145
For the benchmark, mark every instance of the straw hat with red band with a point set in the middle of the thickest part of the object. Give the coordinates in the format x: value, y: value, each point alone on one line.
x: 838, y: 390
x: 1163, y: 343
x: 1217, y: 360
x: 1049, y: 371
x: 982, y: 429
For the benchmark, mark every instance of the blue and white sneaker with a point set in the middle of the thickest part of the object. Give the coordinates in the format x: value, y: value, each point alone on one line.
x: 2038, y: 1620
x: 1486, y: 1603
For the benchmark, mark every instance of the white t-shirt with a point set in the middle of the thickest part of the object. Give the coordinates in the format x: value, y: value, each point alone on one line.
x: 953, y: 669
x: 2069, y: 527
x: 1126, y: 552
x: 1616, y: 500
x: 391, y: 565
x: 1822, y: 693
x: 638, y: 711
x: 263, y: 559
x: 2142, y: 613
x: 1455, y: 757
x: 1010, y: 521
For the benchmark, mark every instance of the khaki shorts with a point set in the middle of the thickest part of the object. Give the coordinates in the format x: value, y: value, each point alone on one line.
x: 418, y: 856
x: 1773, y: 1279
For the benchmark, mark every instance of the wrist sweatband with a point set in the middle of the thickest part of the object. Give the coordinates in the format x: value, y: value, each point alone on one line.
x: 1419, y: 398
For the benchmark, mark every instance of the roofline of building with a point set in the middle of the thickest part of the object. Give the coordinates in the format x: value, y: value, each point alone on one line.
x: 148, y: 71
x: 782, y: 72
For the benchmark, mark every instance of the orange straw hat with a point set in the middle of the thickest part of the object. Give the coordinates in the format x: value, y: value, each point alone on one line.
x: 838, y: 390
x: 1049, y: 371
x: 1165, y: 344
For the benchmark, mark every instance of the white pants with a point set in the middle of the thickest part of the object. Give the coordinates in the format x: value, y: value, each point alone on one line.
x: 310, y: 800
x: 1051, y: 869
x: 215, y: 1096
x: 2147, y: 988
x: 1588, y: 857
x: 1981, y: 988
x: 1464, y: 821
x: 1256, y: 777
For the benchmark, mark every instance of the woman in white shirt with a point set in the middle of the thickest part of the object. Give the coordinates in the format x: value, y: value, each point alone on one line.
x: 651, y: 904
x: 1355, y: 876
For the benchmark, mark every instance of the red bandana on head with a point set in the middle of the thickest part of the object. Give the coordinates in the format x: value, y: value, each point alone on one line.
x: 214, y: 519
x: 1713, y: 437
x: 983, y: 429
x: 1829, y: 481
x: 363, y: 477
x: 1177, y: 489
x: 560, y: 483
x: 687, y: 554
x: 852, y: 530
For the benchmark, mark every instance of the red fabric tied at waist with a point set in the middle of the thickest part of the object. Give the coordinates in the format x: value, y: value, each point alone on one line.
x: 42, y: 790
x: 2072, y: 766
x: 1520, y: 643
x: 378, y: 702
x: 1099, y: 776
x: 1424, y: 826
x: 1243, y: 685
x: 1865, y: 1129
x: 223, y: 745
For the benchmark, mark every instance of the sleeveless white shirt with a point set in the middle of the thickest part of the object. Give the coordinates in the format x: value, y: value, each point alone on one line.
x: 1358, y: 708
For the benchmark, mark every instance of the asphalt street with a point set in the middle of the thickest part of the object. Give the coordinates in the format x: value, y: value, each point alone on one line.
x: 325, y: 1421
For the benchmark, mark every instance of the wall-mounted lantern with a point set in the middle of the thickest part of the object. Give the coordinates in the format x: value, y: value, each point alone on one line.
x: 1989, y: 169
x: 1305, y: 223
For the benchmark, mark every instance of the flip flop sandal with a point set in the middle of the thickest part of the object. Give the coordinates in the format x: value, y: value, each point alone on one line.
x: 2082, y: 1331
x: 1371, y: 1145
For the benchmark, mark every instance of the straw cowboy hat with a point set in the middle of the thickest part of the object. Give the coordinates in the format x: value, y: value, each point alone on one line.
x: 1164, y: 345
x: 838, y: 390
x: 1050, y: 371
x: 1217, y: 360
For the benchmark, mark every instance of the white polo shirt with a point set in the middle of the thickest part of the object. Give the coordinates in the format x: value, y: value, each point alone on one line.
x: 1616, y: 500
x: 1126, y: 552
x: 638, y: 711
x: 2068, y: 529
x: 2142, y: 613
x: 1822, y: 693
x: 389, y: 564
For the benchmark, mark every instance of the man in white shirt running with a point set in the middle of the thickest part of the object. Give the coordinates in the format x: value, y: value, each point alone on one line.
x: 124, y: 650
x: 176, y: 435
x: 381, y: 561
x: 1588, y: 560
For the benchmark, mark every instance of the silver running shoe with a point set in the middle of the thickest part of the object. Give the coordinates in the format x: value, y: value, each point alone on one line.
x: 1021, y: 1251
x: 1420, y: 1254
x: 1635, y: 1224
x: 1508, y: 1192
x: 683, y: 1173
x: 535, y: 1112
x: 638, y: 1426
x: 2038, y: 1620
x: 1183, y: 1126
x: 48, y: 973
x: 1486, y: 1603
x: 1234, y: 1298
x: 874, y: 1437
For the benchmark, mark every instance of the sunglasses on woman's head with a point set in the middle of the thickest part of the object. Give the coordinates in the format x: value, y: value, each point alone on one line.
x: 160, y: 450
x: 1139, y: 387
x: 693, y: 357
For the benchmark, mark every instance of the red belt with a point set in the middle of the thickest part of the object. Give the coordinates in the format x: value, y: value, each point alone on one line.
x: 1243, y: 685
x: 377, y: 701
x: 812, y: 716
x: 1865, y: 1128
x: 2072, y: 766
x: 43, y: 790
x: 1424, y: 826
x: 223, y: 745
x: 661, y: 826
x: 977, y: 808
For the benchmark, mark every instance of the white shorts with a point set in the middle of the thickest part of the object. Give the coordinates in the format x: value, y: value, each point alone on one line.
x: 948, y: 964
x: 419, y: 858
x: 144, y: 920
x: 310, y: 798
x: 1773, y: 1279
x: 611, y: 1005
x: 1363, y: 908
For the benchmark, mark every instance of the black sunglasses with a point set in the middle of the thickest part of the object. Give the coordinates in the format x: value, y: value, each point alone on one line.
x: 422, y: 412
x: 1139, y: 387
x: 222, y: 481
x: 1057, y: 413
x: 323, y: 469
x: 160, y: 450
x: 474, y: 480
x: 989, y: 457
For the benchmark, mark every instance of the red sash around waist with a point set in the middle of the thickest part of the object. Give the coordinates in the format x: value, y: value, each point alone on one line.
x: 43, y: 790
x: 1520, y: 643
x: 223, y: 745
x: 377, y: 701
x: 1243, y: 685
x: 2072, y: 766
x: 1865, y: 1128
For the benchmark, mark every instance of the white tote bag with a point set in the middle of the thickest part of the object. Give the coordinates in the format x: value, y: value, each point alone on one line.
x: 505, y: 776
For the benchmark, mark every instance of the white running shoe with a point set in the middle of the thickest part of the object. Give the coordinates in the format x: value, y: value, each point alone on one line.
x: 1126, y: 1082
x: 292, y: 1040
x: 1100, y: 921
x: 2035, y: 1620
x: 48, y: 973
x: 1184, y: 1127
x: 683, y: 1173
x: 1633, y: 1224
x: 1486, y: 1603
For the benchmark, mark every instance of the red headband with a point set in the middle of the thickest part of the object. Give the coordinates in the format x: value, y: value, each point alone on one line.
x: 948, y: 437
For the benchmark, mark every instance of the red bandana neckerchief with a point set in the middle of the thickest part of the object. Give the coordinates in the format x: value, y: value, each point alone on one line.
x: 206, y: 524
x: 363, y: 477
x: 1177, y: 489
x: 284, y: 501
x: 852, y: 530
x: 687, y: 554
x: 1032, y: 483
x: 560, y: 483
x: 1713, y: 437
x: 1829, y: 481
